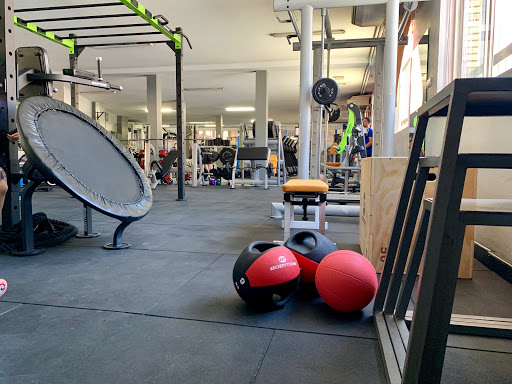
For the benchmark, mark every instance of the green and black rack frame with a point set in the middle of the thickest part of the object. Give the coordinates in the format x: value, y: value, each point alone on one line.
x: 75, y: 38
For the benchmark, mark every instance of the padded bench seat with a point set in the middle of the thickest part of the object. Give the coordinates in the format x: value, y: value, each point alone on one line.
x: 300, y: 185
x: 304, y: 193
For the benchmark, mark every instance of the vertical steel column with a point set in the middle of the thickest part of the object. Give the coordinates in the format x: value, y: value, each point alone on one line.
x: 306, y: 52
x: 316, y: 119
x: 88, y: 232
x: 378, y: 102
x: 180, y: 123
x: 390, y: 64
x: 8, y: 151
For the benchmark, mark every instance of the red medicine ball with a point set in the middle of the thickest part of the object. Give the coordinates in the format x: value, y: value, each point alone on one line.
x: 265, y: 275
x: 309, y: 248
x: 346, y: 281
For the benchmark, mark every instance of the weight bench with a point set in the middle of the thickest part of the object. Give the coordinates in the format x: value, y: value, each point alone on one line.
x: 304, y: 193
x: 250, y: 154
x: 162, y: 169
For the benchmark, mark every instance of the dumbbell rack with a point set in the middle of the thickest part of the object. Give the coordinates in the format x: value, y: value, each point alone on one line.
x: 417, y: 355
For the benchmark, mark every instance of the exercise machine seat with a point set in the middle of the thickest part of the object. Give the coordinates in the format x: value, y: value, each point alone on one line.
x: 74, y: 151
x: 301, y: 185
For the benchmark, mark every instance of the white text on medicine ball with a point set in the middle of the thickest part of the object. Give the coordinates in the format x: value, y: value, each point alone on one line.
x: 282, y: 266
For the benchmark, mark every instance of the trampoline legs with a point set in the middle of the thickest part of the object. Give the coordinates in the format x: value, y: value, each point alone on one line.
x: 88, y: 232
x: 117, y: 242
x: 27, y: 223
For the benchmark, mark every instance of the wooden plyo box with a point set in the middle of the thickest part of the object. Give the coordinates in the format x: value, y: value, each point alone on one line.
x: 381, y: 183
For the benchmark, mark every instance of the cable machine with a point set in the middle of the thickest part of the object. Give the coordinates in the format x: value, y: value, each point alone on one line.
x: 9, y: 84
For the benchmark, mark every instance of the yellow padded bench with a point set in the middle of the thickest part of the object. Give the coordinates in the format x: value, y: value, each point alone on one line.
x: 304, y: 193
x: 299, y: 185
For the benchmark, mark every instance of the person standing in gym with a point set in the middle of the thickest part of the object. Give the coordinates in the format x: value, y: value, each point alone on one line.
x: 368, y: 135
x: 3, y: 176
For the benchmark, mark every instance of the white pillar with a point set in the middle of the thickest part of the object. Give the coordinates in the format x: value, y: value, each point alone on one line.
x: 390, y: 65
x: 378, y: 102
x: 306, y: 52
x: 261, y: 131
x: 154, y: 102
x: 316, y: 126
x: 219, y: 123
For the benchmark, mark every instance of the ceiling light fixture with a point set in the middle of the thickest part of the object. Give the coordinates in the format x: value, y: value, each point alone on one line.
x: 164, y: 110
x: 200, y: 122
x: 338, y: 77
x: 210, y: 126
x: 240, y: 109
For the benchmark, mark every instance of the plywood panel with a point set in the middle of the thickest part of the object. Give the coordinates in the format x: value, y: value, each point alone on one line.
x: 381, y: 182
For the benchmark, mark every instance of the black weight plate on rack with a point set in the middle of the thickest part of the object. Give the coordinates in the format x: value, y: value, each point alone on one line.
x: 326, y: 91
x: 227, y: 155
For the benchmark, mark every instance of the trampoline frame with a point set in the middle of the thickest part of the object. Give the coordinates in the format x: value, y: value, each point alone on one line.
x: 9, y: 151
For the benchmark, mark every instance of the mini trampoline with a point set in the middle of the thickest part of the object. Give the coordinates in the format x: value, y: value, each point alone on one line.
x: 74, y: 151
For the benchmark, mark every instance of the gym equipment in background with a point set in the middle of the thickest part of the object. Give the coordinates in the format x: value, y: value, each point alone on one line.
x: 326, y: 91
x: 352, y: 149
x: 265, y: 275
x: 309, y: 248
x: 3, y: 287
x: 162, y: 169
x: 346, y: 281
x: 250, y: 154
x: 110, y: 182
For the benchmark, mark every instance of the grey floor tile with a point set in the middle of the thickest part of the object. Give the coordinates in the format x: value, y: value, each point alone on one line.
x: 492, y: 344
x: 128, y: 280
x: 486, y: 294
x: 297, y: 358
x: 211, y: 296
x: 6, y: 307
x: 476, y: 367
x: 62, y: 345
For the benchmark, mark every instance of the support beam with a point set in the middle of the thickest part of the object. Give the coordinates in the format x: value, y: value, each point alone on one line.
x: 8, y: 151
x: 295, y: 5
x: 261, y: 131
x: 316, y: 126
x: 390, y: 64
x: 154, y: 102
x: 378, y: 101
x: 219, y: 123
x: 305, y: 90
x: 350, y: 43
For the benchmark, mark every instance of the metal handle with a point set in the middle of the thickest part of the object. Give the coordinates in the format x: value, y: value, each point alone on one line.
x: 99, y: 61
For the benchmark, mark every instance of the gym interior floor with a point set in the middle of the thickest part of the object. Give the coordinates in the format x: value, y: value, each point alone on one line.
x: 165, y: 311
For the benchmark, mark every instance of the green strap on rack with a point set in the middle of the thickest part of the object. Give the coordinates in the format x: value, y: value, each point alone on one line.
x: 348, y: 132
x: 140, y: 10
x: 68, y: 43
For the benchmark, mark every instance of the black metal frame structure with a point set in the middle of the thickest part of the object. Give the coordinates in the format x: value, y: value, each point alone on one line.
x: 417, y: 355
x: 8, y: 87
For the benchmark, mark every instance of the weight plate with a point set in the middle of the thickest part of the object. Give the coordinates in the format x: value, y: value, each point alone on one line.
x: 226, y: 173
x: 227, y: 155
x: 215, y: 156
x: 335, y: 115
x: 325, y: 91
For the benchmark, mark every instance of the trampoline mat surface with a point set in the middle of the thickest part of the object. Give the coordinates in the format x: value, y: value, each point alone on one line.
x: 85, y: 154
x: 73, y: 150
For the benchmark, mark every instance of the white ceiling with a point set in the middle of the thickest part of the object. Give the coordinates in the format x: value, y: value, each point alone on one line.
x: 230, y: 40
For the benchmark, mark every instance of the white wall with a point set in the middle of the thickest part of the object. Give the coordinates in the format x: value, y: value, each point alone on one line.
x: 108, y: 119
x: 483, y: 135
x: 64, y: 94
